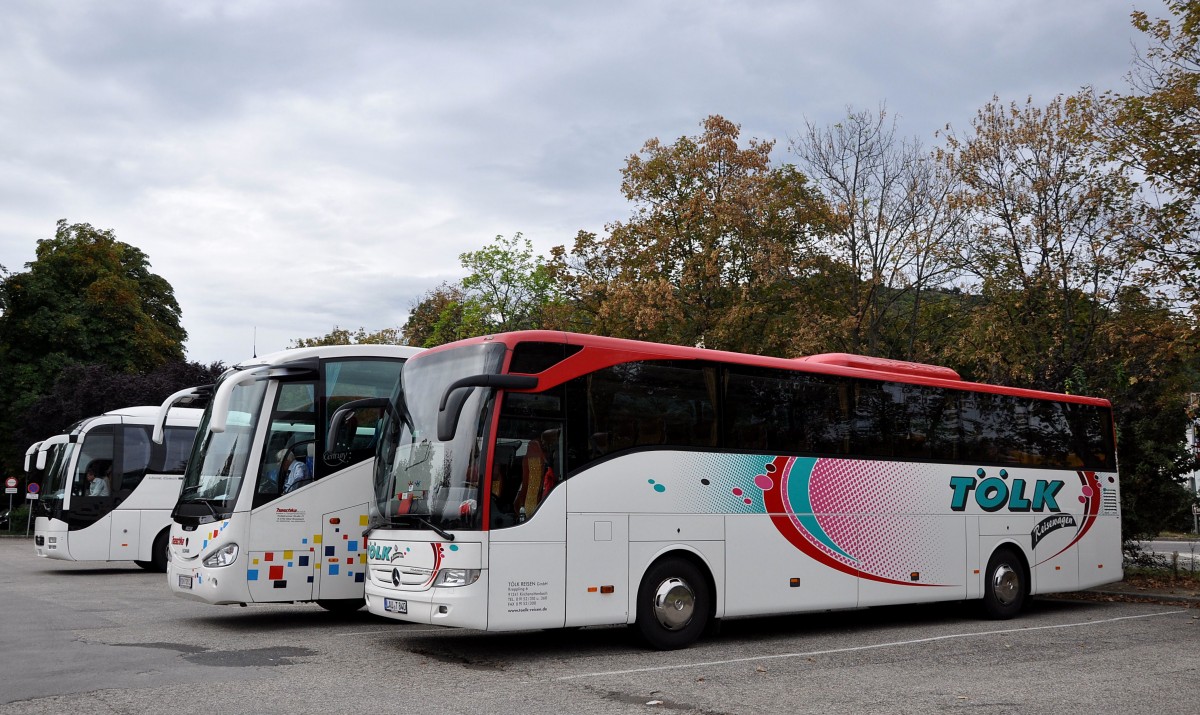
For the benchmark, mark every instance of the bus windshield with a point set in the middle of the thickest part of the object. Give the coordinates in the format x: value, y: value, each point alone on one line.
x: 418, y: 479
x: 55, y: 478
x: 218, y: 463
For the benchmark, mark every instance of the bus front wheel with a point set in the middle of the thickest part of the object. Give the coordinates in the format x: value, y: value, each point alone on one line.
x: 674, y: 604
x: 159, y: 554
x: 1005, y: 585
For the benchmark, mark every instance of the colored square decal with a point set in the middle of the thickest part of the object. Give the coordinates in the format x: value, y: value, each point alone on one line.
x: 353, y: 546
x: 329, y: 551
x: 269, y: 556
x: 316, y: 538
x: 280, y: 584
x: 363, y: 520
x: 304, y: 560
x: 358, y: 577
x: 304, y: 540
x: 345, y: 537
x: 276, y: 573
x: 254, y: 561
x: 252, y: 574
x: 333, y: 569
x: 287, y: 555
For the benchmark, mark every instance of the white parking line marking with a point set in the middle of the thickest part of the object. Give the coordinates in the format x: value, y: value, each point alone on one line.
x: 864, y: 647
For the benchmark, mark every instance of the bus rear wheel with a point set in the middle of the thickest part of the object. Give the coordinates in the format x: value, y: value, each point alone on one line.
x: 674, y: 604
x: 341, y: 605
x: 1005, y: 585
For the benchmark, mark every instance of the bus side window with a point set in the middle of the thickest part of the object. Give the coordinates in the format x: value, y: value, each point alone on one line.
x: 528, y: 461
x: 135, y: 458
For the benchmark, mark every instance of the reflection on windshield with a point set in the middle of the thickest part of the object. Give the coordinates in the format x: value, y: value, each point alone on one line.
x: 418, y: 476
x: 56, y: 470
x: 54, y: 477
x: 218, y: 464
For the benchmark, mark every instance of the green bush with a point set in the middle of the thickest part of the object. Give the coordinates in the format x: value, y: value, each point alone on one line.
x: 16, y: 520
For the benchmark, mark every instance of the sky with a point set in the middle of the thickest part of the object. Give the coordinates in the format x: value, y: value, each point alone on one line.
x: 291, y: 166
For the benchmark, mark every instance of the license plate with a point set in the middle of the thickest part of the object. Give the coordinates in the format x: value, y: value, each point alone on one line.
x: 392, y: 605
x: 185, y: 582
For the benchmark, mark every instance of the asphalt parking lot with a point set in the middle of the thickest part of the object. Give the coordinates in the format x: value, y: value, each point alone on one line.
x: 110, y: 638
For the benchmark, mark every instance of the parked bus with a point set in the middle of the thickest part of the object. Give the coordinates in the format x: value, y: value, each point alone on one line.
x: 275, y: 497
x: 107, y: 490
x: 543, y: 479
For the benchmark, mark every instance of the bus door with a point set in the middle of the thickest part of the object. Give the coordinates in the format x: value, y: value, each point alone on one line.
x: 92, y: 495
x: 284, y: 534
x: 131, y: 459
x: 528, y: 552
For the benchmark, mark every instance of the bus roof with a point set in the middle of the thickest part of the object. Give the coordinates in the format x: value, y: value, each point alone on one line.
x: 606, y: 352
x: 330, y: 351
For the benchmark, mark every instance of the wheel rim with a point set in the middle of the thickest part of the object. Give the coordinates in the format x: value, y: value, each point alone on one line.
x: 674, y: 604
x: 1006, y: 584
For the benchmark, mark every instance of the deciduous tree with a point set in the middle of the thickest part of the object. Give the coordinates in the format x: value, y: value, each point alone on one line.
x: 1050, y: 235
x: 717, y: 252
x: 894, y: 227
x: 342, y: 336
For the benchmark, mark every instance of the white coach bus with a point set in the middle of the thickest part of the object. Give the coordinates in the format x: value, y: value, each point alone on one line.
x: 107, y: 490
x: 545, y: 480
x: 274, y: 501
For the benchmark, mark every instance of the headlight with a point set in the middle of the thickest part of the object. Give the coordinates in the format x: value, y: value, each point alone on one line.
x: 223, y: 557
x: 456, y: 577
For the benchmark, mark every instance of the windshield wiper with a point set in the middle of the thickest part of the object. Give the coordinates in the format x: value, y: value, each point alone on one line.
x: 398, y: 520
x: 216, y: 515
x: 433, y: 527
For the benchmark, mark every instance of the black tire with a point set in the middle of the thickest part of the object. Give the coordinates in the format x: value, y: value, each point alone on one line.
x: 1005, y: 585
x: 674, y: 604
x: 161, y: 553
x: 342, y: 605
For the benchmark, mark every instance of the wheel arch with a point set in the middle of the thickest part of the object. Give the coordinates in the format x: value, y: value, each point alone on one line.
x: 688, y: 553
x: 1022, y: 558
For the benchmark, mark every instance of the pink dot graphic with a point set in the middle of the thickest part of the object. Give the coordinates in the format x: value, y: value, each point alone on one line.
x: 737, y: 491
x: 1087, y: 491
x: 763, y: 482
x: 748, y: 501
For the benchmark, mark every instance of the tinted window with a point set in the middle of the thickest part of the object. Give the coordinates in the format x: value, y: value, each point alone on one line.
x: 643, y: 404
x: 532, y: 358
x: 782, y: 411
x: 171, y: 456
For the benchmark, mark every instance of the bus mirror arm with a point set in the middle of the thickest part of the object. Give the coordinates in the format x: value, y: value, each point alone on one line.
x: 220, y: 401
x: 456, y: 396
x: 181, y: 396
x: 339, y: 417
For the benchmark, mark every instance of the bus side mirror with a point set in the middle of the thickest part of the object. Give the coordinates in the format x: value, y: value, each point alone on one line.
x: 457, y: 393
x: 339, y: 417
x: 41, y: 459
